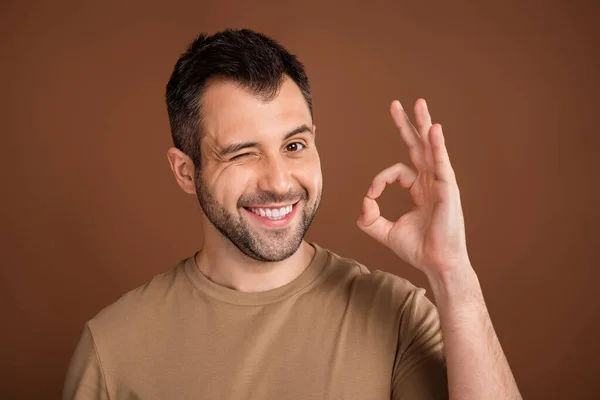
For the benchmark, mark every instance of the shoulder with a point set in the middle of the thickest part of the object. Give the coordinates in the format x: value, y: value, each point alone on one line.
x: 373, y: 285
x: 385, y: 298
x: 387, y: 302
x: 141, y: 305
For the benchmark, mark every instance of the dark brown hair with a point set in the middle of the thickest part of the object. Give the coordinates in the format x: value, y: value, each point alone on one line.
x: 253, y: 60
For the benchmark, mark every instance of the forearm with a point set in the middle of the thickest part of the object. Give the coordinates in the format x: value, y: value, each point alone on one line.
x: 477, y: 367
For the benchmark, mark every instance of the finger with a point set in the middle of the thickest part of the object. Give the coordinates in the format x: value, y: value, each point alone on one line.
x: 441, y: 160
x: 409, y: 134
x: 400, y: 173
x: 372, y: 223
x: 423, y: 119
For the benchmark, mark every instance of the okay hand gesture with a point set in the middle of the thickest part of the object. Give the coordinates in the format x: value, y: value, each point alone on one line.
x: 431, y: 236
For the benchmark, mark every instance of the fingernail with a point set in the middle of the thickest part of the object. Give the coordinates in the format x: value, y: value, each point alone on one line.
x: 399, y: 105
x: 370, y: 191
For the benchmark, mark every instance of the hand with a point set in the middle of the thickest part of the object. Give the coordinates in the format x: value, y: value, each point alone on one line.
x: 431, y: 236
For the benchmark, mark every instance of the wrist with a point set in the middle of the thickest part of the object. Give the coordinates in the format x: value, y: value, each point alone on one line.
x: 457, y: 287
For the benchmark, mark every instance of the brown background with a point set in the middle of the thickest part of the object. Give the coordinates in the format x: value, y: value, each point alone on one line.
x: 90, y: 209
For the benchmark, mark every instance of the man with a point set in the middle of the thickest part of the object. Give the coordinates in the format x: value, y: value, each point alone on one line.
x: 257, y: 312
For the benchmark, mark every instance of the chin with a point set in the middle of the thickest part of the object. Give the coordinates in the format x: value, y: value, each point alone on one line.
x: 270, y: 250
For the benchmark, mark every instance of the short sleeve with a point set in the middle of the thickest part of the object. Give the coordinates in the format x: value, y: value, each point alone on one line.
x: 85, y: 380
x: 419, y: 368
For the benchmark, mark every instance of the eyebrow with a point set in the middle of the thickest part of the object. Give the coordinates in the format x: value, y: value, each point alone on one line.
x: 235, y: 147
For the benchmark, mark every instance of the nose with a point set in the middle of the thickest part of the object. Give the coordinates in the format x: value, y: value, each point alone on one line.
x: 275, y: 176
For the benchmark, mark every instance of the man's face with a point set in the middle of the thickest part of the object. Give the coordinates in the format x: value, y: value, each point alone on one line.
x: 260, y: 181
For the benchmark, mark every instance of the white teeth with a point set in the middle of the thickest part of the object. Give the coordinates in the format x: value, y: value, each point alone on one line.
x: 274, y: 214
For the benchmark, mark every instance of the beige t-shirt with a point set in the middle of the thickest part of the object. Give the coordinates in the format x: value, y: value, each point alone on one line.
x: 335, y: 332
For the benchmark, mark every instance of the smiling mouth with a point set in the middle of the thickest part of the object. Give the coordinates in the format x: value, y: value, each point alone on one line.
x: 273, y: 213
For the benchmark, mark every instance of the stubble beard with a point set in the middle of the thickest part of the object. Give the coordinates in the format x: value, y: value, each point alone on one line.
x: 270, y: 245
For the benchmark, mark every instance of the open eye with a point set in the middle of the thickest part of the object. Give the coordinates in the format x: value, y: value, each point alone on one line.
x: 295, y: 147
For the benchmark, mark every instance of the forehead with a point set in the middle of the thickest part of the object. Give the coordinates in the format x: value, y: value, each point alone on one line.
x: 233, y: 113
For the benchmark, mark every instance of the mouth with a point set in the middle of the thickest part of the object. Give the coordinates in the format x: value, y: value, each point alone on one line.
x: 273, y: 216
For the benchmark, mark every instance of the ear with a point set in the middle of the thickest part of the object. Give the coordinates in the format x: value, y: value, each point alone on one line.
x: 183, y: 169
x: 314, y: 129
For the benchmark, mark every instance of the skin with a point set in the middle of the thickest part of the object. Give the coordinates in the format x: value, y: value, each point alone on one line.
x: 431, y: 237
x: 278, y: 170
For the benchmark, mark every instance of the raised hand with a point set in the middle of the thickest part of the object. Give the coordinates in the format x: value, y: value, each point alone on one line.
x: 431, y: 236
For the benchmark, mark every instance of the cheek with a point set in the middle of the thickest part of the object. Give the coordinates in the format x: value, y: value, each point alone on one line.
x: 230, y: 186
x: 310, y: 176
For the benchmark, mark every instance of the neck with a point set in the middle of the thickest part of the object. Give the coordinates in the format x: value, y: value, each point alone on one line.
x: 224, y: 264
